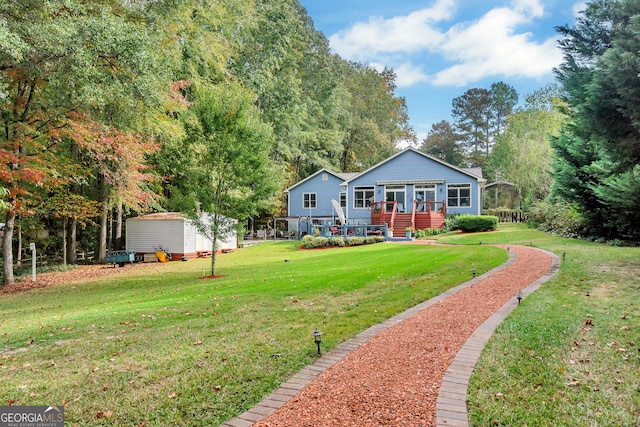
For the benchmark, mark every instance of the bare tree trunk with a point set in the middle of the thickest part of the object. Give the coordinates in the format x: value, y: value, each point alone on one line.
x: 72, y: 245
x: 102, y: 244
x: 19, y: 260
x: 7, y: 248
x: 118, y: 232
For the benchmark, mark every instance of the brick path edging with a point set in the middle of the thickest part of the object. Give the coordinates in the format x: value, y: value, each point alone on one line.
x: 451, y: 407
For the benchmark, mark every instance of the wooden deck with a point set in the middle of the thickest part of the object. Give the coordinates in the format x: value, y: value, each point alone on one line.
x: 423, y: 215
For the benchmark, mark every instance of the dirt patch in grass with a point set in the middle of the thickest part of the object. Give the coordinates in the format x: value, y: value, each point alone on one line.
x: 79, y: 273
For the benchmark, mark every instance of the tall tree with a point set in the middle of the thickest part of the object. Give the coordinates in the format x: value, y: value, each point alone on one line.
x: 503, y: 100
x: 226, y: 152
x: 472, y: 114
x: 64, y: 57
x: 378, y: 118
x: 522, y: 154
x: 443, y: 142
x: 599, y: 150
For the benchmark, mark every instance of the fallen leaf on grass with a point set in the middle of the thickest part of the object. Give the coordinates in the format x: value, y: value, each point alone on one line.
x: 217, y: 387
x: 104, y: 414
x: 172, y: 395
x: 573, y: 383
x: 11, y: 402
x: 197, y: 342
x: 30, y: 341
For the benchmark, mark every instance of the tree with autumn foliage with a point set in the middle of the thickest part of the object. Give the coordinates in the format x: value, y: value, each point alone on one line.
x: 57, y: 59
x: 116, y: 161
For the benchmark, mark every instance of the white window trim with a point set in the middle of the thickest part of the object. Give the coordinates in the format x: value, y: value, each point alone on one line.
x: 399, y: 187
x: 363, y: 188
x: 340, y: 199
x: 315, y: 200
x: 470, y: 195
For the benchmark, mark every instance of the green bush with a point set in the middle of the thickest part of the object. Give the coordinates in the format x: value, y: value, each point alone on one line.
x: 451, y: 222
x: 560, y: 219
x: 429, y: 232
x: 336, y: 241
x: 355, y: 241
x: 310, y: 242
x: 474, y: 223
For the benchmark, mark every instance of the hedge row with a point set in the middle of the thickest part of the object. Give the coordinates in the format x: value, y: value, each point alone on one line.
x: 310, y: 242
x: 472, y: 223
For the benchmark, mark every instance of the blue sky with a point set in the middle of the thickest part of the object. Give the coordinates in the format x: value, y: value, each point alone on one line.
x: 441, y: 48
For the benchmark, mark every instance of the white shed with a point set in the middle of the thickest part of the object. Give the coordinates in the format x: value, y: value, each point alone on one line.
x: 172, y: 232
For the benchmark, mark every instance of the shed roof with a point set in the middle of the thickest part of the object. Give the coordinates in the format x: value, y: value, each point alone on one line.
x: 161, y: 216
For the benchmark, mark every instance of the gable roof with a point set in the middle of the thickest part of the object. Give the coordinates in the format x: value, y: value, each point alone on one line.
x: 475, y: 173
x: 342, y: 176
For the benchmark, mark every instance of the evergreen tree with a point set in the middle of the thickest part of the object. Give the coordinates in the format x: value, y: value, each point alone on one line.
x: 599, y: 150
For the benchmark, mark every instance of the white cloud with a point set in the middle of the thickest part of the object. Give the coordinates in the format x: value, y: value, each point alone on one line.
x: 409, y: 74
x: 408, y: 33
x: 490, y: 46
x: 579, y: 7
x: 533, y: 8
x: 471, y: 51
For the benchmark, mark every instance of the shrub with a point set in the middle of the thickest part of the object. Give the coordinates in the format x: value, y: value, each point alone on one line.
x: 451, y: 222
x: 428, y: 232
x: 474, y: 223
x: 557, y: 218
x: 355, y: 241
x: 336, y: 241
x: 310, y: 242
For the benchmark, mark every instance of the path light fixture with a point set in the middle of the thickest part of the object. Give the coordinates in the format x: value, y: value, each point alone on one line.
x: 564, y: 254
x: 508, y: 248
x: 317, y: 339
x: 473, y: 272
x: 519, y: 296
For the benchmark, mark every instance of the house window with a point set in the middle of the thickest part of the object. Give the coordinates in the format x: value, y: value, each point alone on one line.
x: 308, y: 200
x: 395, y: 193
x: 459, y: 195
x: 362, y: 197
x: 423, y: 194
x: 343, y: 199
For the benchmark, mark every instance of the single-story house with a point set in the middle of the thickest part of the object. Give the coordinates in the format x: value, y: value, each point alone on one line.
x: 410, y: 189
x: 174, y: 233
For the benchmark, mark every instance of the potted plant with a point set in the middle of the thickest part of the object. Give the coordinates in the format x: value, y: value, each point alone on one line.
x: 408, y: 232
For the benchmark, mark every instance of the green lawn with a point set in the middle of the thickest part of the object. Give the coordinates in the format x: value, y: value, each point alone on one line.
x: 570, y: 354
x: 172, y: 349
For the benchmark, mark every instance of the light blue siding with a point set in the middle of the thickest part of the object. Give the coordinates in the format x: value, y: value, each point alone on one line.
x: 407, y: 168
x: 324, y: 190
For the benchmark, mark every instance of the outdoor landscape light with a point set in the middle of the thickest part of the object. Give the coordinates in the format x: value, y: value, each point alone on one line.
x: 473, y: 271
x: 519, y: 296
x: 564, y: 254
x: 316, y: 338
